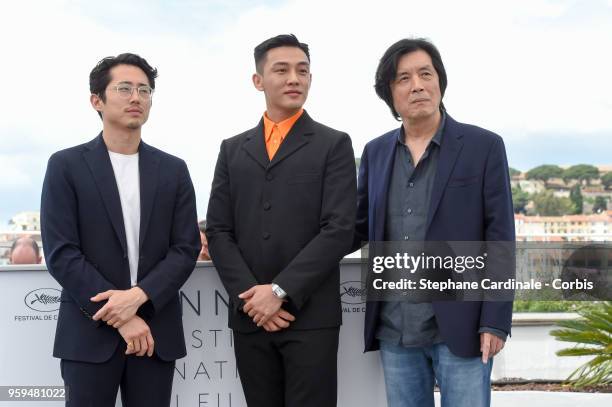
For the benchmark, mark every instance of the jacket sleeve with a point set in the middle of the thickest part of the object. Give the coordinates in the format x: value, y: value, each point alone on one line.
x: 499, y: 227
x: 60, y: 237
x: 165, y: 279
x: 322, y: 254
x: 225, y: 254
x: 362, y: 220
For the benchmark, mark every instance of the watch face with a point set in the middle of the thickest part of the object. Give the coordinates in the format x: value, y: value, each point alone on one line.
x: 278, y: 292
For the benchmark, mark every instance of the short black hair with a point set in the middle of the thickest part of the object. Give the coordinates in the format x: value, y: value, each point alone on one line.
x: 99, y: 77
x: 283, y: 40
x: 387, y: 68
x: 26, y: 241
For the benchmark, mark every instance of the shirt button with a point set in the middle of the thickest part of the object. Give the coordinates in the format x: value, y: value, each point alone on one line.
x: 406, y: 238
x: 266, y: 236
x: 411, y: 184
x: 267, y: 206
x: 409, y: 211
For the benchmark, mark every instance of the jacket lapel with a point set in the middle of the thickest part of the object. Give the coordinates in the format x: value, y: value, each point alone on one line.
x: 101, y: 168
x: 148, y: 166
x: 387, y: 154
x: 255, y: 145
x: 450, y: 148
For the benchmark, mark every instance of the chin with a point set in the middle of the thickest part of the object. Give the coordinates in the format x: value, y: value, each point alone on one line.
x: 294, y: 106
x: 134, y: 125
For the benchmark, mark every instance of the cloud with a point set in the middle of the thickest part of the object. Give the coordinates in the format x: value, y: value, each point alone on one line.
x: 517, y: 67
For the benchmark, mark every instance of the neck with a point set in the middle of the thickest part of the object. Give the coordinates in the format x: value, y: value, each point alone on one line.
x: 278, y: 115
x: 125, y: 141
x: 423, y: 128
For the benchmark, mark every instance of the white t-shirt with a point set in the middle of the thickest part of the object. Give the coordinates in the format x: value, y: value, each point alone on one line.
x: 127, y: 176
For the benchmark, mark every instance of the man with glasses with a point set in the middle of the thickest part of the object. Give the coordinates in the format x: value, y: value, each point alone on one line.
x: 119, y: 229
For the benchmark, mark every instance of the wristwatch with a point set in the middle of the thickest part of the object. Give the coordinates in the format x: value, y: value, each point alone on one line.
x: 279, y: 292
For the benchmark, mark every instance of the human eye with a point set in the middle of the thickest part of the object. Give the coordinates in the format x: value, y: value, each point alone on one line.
x: 145, y: 91
x: 124, y: 89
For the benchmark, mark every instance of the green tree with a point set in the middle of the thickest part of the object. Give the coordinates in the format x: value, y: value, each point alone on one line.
x: 545, y: 172
x: 581, y: 173
x: 576, y: 198
x: 600, y: 205
x: 513, y: 172
x: 590, y: 335
x: 606, y: 180
x: 520, y: 199
x: 546, y: 204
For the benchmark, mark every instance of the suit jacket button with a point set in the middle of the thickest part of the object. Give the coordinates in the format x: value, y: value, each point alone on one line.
x: 266, y: 236
x: 267, y: 206
x: 269, y: 177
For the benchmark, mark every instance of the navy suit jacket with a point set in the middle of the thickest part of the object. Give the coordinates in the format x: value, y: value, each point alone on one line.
x: 471, y: 200
x: 85, y: 246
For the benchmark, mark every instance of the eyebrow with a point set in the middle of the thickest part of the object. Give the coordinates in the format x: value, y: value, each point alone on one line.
x: 281, y: 63
x: 132, y: 83
x: 423, y: 68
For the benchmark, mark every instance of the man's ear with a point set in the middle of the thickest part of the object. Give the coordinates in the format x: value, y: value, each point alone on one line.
x: 96, y: 102
x: 258, y: 81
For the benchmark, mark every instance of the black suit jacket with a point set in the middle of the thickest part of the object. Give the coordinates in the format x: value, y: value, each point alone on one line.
x: 288, y: 221
x: 85, y: 246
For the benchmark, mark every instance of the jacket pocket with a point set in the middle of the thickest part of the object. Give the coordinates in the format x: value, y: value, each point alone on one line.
x: 463, y: 181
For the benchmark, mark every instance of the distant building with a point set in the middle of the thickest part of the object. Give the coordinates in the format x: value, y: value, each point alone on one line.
x: 529, y: 186
x: 596, y: 227
x: 25, y: 222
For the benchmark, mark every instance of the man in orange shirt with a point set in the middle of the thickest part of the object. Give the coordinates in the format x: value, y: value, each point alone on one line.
x: 280, y: 218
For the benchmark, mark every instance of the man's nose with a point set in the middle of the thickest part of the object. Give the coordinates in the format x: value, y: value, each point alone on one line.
x: 292, y: 76
x: 135, y: 96
x: 417, y: 84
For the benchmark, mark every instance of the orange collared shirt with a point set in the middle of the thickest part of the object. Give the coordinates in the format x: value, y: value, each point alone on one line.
x: 275, y: 133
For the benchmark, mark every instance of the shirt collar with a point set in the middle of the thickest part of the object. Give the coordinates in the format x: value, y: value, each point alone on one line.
x: 283, y: 126
x: 436, y: 139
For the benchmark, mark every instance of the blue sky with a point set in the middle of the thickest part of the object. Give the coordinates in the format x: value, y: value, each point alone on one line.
x: 536, y: 72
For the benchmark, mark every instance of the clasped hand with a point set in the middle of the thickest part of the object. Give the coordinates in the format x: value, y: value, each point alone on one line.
x: 120, y: 313
x: 265, y: 308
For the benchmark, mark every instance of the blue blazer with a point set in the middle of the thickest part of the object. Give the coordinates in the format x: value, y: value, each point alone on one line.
x: 85, y: 246
x: 471, y: 200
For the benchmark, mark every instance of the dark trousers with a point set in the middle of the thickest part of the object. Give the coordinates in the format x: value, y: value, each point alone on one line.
x: 290, y: 368
x: 144, y: 381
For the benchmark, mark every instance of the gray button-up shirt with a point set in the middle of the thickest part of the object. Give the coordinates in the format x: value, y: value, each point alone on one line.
x: 404, y: 323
